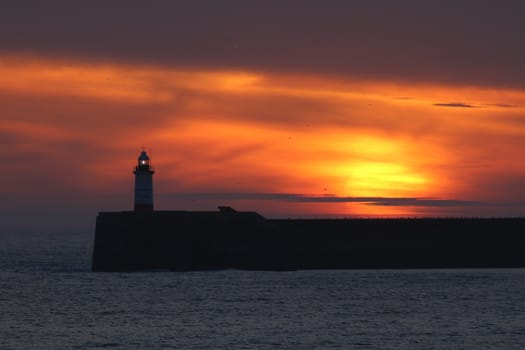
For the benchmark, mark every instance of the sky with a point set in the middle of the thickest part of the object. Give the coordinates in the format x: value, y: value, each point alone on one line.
x: 289, y: 108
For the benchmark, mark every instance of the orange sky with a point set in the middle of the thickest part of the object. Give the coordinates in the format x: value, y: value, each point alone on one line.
x: 282, y: 144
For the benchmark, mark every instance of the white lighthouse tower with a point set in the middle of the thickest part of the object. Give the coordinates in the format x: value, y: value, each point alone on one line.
x: 143, y: 183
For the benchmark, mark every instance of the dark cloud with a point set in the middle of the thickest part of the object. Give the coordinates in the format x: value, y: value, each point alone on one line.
x: 501, y: 105
x: 301, y: 198
x: 454, y: 104
x: 469, y: 105
x: 461, y: 41
x: 425, y: 202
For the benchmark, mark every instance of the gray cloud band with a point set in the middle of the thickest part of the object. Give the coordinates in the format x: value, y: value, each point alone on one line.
x: 300, y: 198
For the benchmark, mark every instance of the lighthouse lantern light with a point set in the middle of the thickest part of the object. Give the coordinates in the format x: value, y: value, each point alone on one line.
x: 143, y: 183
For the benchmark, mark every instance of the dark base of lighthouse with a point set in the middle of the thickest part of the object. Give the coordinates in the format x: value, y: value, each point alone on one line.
x: 143, y: 208
x: 182, y: 241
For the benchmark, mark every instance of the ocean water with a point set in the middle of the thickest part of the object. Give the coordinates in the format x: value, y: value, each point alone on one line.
x: 50, y: 300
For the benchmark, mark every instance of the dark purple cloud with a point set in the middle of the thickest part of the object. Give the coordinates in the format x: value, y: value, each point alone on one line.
x: 461, y: 41
x: 302, y: 198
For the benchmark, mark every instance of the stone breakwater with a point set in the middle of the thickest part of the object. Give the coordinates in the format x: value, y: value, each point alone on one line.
x: 228, y: 239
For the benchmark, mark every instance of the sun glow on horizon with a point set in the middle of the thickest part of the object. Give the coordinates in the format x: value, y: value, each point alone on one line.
x: 367, y: 179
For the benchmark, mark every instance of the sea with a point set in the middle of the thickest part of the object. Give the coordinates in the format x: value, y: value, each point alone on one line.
x: 49, y: 299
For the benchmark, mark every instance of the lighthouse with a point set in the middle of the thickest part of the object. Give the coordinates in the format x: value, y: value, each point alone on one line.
x: 143, y: 183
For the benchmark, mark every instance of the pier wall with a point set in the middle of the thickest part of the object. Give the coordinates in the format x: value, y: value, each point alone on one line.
x: 180, y: 240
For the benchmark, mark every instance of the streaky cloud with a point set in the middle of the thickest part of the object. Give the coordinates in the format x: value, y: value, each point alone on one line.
x: 469, y: 105
x: 329, y: 198
x: 501, y: 105
x: 455, y: 104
